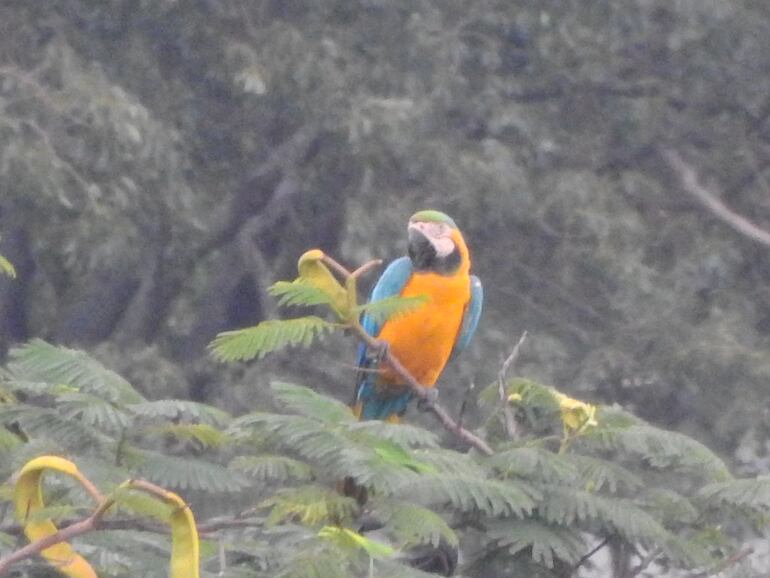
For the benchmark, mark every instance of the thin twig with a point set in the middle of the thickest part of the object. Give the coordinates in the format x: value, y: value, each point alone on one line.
x: 366, y: 267
x: 64, y: 535
x: 692, y: 185
x: 593, y: 551
x: 644, y: 562
x: 464, y: 404
x: 510, y: 422
x: 339, y: 268
x: 728, y: 562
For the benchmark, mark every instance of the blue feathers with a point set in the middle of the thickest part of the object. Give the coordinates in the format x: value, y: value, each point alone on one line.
x: 470, y: 317
x: 373, y: 404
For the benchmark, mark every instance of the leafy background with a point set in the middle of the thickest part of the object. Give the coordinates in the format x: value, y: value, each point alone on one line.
x: 162, y: 163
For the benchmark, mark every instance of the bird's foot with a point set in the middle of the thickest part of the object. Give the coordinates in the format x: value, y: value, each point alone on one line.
x: 380, y: 350
x: 430, y: 399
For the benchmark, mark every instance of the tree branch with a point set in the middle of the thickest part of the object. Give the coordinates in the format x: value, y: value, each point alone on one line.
x: 692, y: 185
x: 594, y: 550
x: 510, y: 422
x: 64, y: 535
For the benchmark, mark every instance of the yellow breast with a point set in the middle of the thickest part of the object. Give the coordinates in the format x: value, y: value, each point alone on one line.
x: 423, y: 339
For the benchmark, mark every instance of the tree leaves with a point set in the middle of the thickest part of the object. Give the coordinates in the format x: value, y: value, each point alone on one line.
x: 267, y: 337
x: 390, y: 307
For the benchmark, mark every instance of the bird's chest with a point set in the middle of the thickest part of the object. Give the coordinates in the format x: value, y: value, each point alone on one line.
x: 423, y: 339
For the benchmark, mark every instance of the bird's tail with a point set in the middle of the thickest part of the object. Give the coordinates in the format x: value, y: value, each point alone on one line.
x: 373, y: 404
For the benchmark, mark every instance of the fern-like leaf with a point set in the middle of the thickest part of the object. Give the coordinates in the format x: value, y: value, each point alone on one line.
x: 469, y: 494
x: 534, y: 463
x: 183, y: 473
x: 402, y: 434
x: 307, y: 402
x: 347, y: 539
x: 309, y: 506
x: 298, y: 293
x: 93, y: 410
x: 206, y: 435
x: 596, y: 474
x: 50, y: 424
x: 271, y: 468
x: 412, y: 525
x: 568, y: 506
x: 267, y: 337
x: 41, y: 361
x: 315, y: 561
x: 547, y: 542
x: 752, y: 494
x: 180, y: 409
x: 662, y: 449
x: 382, y: 309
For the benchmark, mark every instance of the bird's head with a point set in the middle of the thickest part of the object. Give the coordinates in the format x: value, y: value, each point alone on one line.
x: 435, y: 243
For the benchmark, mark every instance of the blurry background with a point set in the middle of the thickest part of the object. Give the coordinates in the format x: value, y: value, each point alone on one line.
x: 162, y: 162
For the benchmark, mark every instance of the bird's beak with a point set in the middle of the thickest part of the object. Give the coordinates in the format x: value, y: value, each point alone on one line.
x: 421, y: 250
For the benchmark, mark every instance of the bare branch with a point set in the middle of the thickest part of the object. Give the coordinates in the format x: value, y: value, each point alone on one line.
x: 510, y: 422
x: 64, y: 535
x: 727, y: 563
x: 692, y: 185
x: 594, y: 550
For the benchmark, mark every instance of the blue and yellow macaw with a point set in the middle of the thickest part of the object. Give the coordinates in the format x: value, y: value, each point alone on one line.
x: 438, y: 267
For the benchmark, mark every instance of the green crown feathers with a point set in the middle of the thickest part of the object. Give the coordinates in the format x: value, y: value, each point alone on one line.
x: 433, y: 216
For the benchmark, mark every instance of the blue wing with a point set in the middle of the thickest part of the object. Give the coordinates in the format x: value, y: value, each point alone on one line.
x: 373, y: 406
x: 470, y: 317
x: 390, y: 283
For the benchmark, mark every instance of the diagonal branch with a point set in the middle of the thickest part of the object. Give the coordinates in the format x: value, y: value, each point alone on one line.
x: 510, y: 422
x: 692, y: 185
x: 64, y: 535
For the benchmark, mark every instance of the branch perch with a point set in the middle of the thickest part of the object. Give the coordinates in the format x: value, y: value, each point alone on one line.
x: 692, y: 185
x: 510, y: 422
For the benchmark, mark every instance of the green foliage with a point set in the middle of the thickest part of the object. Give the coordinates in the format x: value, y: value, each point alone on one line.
x: 309, y: 506
x: 411, y: 525
x: 535, y: 506
x: 298, y: 292
x: 388, y: 307
x: 544, y: 542
x: 269, y: 336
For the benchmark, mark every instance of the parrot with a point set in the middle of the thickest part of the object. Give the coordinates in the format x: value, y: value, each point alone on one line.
x: 437, y: 267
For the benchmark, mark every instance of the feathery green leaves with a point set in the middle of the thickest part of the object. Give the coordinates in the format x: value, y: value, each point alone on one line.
x: 390, y: 307
x: 299, y: 293
x: 307, y: 402
x: 268, y: 467
x: 38, y: 361
x: 546, y: 542
x: 269, y: 336
x: 309, y: 506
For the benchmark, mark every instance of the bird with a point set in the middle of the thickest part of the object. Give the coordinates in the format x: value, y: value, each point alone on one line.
x: 423, y: 339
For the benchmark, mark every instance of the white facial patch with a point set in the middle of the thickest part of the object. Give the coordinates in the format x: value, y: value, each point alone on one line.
x: 439, y: 236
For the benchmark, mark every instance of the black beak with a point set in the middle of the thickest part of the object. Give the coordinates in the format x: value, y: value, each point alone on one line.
x: 421, y: 250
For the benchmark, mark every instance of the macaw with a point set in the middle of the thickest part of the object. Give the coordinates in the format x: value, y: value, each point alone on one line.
x: 438, y: 267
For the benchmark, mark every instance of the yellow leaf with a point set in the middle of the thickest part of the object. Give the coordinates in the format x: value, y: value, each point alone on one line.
x: 314, y: 272
x: 575, y: 414
x: 185, y: 546
x: 28, y: 499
